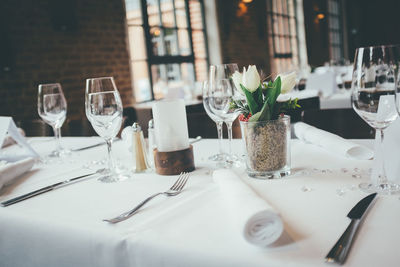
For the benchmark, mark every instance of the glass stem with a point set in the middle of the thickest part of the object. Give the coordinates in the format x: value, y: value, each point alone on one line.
x: 110, y: 158
x: 229, y: 126
x: 57, y: 137
x: 382, y: 179
x: 220, y: 136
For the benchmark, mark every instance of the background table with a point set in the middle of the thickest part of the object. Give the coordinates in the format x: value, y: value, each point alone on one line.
x: 65, y: 227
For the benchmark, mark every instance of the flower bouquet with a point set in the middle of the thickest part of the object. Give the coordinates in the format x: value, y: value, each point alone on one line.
x: 265, y: 128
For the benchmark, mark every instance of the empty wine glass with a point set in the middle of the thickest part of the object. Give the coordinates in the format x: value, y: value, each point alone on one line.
x: 221, y: 76
x: 218, y: 121
x: 373, y: 98
x: 220, y: 98
x: 103, y: 107
x: 52, y: 108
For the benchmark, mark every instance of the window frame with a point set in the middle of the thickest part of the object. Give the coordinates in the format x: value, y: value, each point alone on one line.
x: 152, y: 59
x: 332, y: 43
x: 288, y: 38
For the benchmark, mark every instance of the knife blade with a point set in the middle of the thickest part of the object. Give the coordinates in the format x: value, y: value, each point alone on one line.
x: 94, y: 145
x: 341, y: 249
x: 45, y: 189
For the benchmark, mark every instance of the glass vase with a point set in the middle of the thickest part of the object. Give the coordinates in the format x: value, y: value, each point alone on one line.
x: 267, y: 147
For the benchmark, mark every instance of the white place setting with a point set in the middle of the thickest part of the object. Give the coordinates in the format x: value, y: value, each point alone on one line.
x: 273, y: 199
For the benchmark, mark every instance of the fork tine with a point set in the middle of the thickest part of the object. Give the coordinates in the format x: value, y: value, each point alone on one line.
x: 183, y: 182
x: 174, y: 186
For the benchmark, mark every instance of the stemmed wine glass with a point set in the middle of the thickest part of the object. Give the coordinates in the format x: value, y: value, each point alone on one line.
x: 223, y: 90
x: 103, y: 107
x: 373, y: 99
x: 220, y: 98
x: 218, y: 121
x: 52, y: 108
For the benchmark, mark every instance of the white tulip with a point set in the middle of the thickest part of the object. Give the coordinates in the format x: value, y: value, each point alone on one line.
x: 288, y: 81
x: 237, y: 80
x: 251, y: 79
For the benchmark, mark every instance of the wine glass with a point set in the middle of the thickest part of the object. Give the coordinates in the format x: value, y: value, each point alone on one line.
x: 220, y: 77
x: 218, y: 121
x: 373, y: 99
x: 103, y: 108
x: 220, y: 98
x: 52, y: 108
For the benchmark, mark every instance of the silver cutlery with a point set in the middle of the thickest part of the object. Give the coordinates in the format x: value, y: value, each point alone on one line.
x: 100, y: 143
x: 340, y: 250
x: 175, y: 189
x: 46, y: 189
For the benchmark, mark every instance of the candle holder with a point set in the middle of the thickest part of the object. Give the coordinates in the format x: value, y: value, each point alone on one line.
x: 174, y: 162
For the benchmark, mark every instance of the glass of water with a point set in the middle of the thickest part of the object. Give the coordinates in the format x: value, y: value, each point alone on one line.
x: 52, y: 108
x: 103, y: 107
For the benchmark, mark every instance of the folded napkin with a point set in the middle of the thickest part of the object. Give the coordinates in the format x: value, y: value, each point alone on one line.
x: 260, y: 224
x: 331, y: 142
x: 11, y: 170
x: 8, y: 140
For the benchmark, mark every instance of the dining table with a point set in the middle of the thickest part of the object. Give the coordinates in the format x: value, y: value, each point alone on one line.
x: 65, y: 227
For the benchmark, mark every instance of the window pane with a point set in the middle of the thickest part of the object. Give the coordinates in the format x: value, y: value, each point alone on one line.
x: 184, y: 43
x: 173, y: 80
x: 137, y: 44
x: 201, y: 69
x: 171, y: 42
x: 152, y: 11
x: 167, y: 11
x: 180, y: 12
x: 199, y: 47
x: 133, y: 12
x: 141, y: 81
x: 196, y: 19
x: 158, y: 48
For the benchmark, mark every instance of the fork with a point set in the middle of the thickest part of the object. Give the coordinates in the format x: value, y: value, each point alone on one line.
x: 175, y: 189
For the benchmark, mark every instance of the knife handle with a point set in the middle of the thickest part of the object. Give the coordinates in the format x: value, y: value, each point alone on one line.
x: 26, y: 196
x: 340, y: 250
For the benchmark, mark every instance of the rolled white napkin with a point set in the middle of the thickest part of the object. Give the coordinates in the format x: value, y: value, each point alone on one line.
x: 260, y: 224
x: 11, y: 170
x: 331, y: 142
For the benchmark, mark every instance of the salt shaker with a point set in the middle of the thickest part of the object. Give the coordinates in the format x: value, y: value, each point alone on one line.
x: 139, y: 149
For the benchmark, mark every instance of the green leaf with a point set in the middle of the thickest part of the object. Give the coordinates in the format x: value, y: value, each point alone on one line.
x: 273, y: 93
x: 265, y: 112
x: 263, y: 115
x: 253, y: 106
x: 255, y: 117
x: 258, y: 96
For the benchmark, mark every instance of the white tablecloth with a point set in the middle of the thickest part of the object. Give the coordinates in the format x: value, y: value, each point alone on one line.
x: 338, y: 100
x: 341, y: 99
x: 65, y: 227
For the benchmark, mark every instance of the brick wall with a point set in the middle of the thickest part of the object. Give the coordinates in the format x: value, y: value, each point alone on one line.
x: 63, y: 41
x: 243, y: 33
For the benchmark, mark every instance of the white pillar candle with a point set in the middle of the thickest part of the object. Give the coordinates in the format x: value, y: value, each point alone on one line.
x: 170, y: 125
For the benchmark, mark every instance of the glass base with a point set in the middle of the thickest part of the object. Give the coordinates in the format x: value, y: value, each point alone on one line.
x: 59, y: 153
x: 107, y: 176
x: 268, y: 174
x: 218, y: 157
x: 383, y: 189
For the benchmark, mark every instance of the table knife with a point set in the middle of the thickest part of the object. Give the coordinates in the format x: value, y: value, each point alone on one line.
x: 45, y: 189
x: 94, y: 145
x: 340, y: 250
